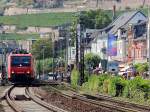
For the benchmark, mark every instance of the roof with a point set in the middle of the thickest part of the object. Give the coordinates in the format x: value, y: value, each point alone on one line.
x: 122, y: 20
x: 11, y: 54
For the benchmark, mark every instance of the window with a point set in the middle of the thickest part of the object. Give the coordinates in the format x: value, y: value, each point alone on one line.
x: 20, y: 61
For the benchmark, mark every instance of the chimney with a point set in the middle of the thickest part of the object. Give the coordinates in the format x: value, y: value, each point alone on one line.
x: 114, y: 11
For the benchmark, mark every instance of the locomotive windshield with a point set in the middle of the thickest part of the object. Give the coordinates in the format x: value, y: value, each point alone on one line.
x: 21, y: 61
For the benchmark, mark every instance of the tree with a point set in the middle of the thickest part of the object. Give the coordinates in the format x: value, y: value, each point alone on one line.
x: 141, y: 67
x: 94, y: 19
x: 73, y: 33
x: 89, y: 19
x: 92, y: 60
x: 40, y: 46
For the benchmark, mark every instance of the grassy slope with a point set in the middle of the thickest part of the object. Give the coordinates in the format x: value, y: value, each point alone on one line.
x: 46, y: 19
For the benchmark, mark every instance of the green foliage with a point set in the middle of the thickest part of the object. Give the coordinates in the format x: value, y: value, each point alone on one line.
x: 73, y: 31
x: 75, y: 78
x: 102, y: 20
x: 45, y: 19
x: 95, y: 83
x: 47, y: 65
x: 141, y: 67
x: 103, y: 77
x: 92, y: 59
x: 21, y: 28
x: 86, y: 76
x: 125, y: 92
x: 116, y: 86
x: 136, y: 90
x: 105, y: 86
x: 139, y: 84
x: 92, y: 84
x: 94, y: 19
x: 42, y: 46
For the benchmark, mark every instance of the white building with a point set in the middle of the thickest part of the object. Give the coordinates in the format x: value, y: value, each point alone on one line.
x: 71, y: 55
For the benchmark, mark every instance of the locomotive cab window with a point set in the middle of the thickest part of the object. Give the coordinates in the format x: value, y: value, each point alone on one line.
x: 21, y: 61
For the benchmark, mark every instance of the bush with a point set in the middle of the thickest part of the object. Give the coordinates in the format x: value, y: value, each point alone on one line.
x: 141, y: 67
x: 137, y: 90
x: 114, y: 86
x: 86, y: 76
x: 102, y: 78
x: 74, y: 78
x: 92, y: 60
x: 21, y: 28
x: 105, y: 86
x: 95, y: 83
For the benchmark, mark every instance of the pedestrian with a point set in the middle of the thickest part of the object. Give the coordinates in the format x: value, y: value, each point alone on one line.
x: 53, y: 76
x: 56, y: 76
x: 68, y: 77
x: 62, y: 77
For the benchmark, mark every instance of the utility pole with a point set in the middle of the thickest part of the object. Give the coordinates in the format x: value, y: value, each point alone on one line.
x: 149, y: 37
x: 97, y: 2
x: 77, y: 45
x: 67, y: 45
x: 53, y: 46
x: 81, y: 60
x: 43, y: 59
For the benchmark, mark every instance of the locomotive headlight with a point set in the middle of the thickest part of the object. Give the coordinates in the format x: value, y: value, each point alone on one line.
x: 28, y: 72
x: 12, y: 72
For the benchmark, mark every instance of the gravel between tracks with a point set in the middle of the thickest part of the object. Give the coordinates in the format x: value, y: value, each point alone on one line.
x: 67, y: 103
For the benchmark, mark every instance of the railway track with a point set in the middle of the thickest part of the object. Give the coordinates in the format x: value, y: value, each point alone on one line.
x: 110, y: 100
x: 21, y: 99
x: 104, y: 101
x: 115, y: 108
x: 104, y: 98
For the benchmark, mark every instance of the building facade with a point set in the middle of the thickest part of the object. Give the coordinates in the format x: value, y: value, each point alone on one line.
x: 131, y: 31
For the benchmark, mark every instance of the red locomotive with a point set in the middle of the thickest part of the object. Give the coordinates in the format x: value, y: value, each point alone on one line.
x: 21, y: 67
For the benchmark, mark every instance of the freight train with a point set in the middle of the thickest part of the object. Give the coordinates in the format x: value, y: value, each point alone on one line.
x: 21, y: 67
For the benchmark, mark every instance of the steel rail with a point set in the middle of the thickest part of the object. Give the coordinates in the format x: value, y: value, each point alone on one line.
x: 124, y: 103
x: 10, y: 100
x: 100, y: 97
x: 98, y: 103
x: 42, y: 103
